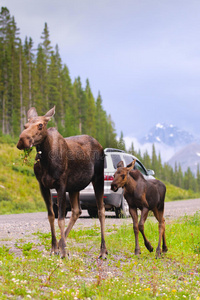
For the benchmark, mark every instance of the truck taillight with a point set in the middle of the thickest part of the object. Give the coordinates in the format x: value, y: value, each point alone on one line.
x: 108, y: 177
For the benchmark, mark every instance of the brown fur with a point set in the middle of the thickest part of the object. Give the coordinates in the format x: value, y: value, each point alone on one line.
x: 68, y: 165
x: 145, y: 195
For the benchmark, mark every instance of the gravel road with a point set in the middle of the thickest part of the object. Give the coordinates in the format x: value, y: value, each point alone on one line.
x: 17, y: 226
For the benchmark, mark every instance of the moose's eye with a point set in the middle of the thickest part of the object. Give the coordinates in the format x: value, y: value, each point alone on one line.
x: 40, y: 126
x: 123, y: 176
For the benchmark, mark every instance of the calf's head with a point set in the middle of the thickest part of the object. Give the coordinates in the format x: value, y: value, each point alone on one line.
x: 35, y: 130
x: 121, y: 175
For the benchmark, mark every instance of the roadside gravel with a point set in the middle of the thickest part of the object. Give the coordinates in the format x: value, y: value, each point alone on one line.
x: 22, y: 226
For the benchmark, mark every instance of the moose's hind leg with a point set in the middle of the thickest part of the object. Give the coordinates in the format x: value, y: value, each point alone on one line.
x: 144, y: 215
x: 98, y: 185
x: 159, y: 216
x: 76, y: 212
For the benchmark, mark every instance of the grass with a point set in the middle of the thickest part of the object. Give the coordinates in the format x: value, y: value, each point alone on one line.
x: 176, y: 193
x: 19, y: 189
x: 33, y: 274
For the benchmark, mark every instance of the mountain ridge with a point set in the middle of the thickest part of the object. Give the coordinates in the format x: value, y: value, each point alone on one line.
x: 170, y: 135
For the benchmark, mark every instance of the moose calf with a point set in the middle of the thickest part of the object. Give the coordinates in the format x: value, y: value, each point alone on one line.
x: 145, y: 195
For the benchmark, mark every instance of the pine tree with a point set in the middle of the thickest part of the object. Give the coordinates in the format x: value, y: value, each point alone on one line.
x: 121, y: 143
x: 111, y: 136
x: 154, y: 160
x: 100, y: 121
x: 147, y: 160
x: 46, y: 45
x: 29, y: 57
x: 198, y: 178
x: 82, y: 104
x: 132, y: 149
x: 90, y: 114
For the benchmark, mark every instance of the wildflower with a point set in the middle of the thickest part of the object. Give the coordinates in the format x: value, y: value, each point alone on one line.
x: 173, y: 291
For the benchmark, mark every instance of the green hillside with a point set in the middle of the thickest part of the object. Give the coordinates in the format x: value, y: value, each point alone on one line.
x: 19, y: 189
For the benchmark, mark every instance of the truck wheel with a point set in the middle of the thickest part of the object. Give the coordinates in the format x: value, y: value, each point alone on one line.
x: 123, y: 210
x: 55, y: 210
x: 93, y: 213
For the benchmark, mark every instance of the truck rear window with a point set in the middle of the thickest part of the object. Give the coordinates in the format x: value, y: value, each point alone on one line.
x: 115, y: 159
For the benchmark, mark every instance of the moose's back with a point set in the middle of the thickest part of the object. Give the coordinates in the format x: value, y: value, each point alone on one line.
x: 155, y: 193
x: 85, y: 158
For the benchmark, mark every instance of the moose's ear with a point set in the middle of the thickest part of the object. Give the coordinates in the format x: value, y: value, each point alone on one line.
x: 49, y: 114
x: 131, y: 165
x: 32, y: 113
x: 120, y: 164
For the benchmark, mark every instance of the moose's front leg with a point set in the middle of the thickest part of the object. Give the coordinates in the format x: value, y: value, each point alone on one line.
x: 61, y: 196
x: 134, y: 215
x: 47, y: 198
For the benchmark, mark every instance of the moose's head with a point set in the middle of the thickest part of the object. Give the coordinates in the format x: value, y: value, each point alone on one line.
x: 35, y: 130
x: 121, y: 175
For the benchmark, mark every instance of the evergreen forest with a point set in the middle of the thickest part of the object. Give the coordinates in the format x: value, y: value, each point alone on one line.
x: 36, y: 76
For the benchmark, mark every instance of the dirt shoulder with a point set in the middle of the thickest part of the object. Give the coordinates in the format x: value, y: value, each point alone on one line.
x: 20, y: 226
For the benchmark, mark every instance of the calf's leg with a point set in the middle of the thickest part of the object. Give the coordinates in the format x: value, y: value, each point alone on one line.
x: 47, y: 198
x: 159, y: 216
x: 134, y: 215
x: 144, y: 215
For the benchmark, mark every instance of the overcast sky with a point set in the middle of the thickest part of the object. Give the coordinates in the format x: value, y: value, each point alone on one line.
x: 142, y: 55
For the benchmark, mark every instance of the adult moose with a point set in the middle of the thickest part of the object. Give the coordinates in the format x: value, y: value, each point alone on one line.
x: 145, y: 195
x: 68, y: 165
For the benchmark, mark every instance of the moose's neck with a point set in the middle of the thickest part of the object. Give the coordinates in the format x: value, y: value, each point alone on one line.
x: 130, y: 184
x: 52, y: 147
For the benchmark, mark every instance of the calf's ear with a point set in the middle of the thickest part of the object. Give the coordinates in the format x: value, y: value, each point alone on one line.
x: 131, y: 165
x: 120, y: 164
x: 32, y: 113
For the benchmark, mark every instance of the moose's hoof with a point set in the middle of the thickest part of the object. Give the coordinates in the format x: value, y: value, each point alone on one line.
x: 103, y: 255
x: 54, y: 252
x: 137, y: 252
x: 62, y: 248
x: 149, y: 247
x: 158, y: 253
x: 164, y: 249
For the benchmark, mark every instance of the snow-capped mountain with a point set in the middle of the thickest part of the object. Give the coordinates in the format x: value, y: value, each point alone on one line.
x: 188, y: 156
x: 169, y: 135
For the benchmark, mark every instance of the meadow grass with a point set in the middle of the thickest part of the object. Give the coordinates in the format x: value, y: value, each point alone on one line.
x: 19, y: 189
x: 33, y: 274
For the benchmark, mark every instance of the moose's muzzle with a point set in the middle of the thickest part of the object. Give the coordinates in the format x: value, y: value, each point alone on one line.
x: 24, y: 143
